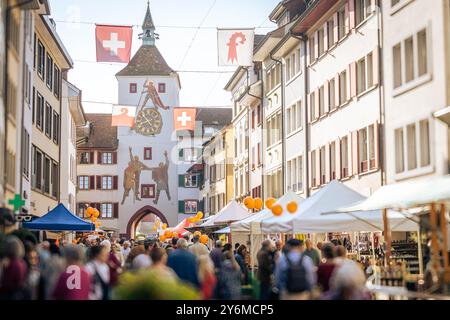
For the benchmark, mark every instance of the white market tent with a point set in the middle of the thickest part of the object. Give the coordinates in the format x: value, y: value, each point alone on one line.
x: 309, y: 218
x: 233, y: 211
x: 405, y: 195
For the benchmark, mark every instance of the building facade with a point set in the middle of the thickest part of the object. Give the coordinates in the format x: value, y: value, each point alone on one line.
x: 51, y: 61
x: 416, y: 69
x: 97, y: 170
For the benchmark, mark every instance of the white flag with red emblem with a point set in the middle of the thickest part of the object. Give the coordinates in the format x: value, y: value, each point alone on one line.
x: 123, y: 116
x: 113, y: 43
x: 235, y: 46
x: 184, y: 118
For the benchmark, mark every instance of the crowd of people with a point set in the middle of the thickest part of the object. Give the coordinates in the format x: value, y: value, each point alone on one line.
x: 295, y: 270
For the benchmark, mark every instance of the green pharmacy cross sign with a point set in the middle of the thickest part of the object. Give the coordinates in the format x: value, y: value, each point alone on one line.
x: 17, y: 202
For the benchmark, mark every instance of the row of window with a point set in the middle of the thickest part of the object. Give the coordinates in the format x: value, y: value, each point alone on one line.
x: 273, y: 129
x: 98, y: 182
x: 274, y: 183
x: 45, y: 173
x: 359, y: 77
x: 46, y: 119
x: 256, y: 156
x: 47, y: 69
x: 294, y: 174
x: 241, y: 182
x: 216, y: 203
x: 188, y: 180
x: 189, y: 206
x: 88, y: 157
x: 108, y: 210
x: 356, y: 153
x: 161, y: 88
x: 350, y: 15
x: 410, y: 59
x: 217, y: 172
x: 412, y: 147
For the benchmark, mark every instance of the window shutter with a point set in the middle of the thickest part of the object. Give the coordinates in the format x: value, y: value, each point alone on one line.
x: 181, y: 153
x: 327, y: 163
x: 355, y: 153
x: 99, y: 157
x: 181, y: 206
x: 337, y: 148
x: 115, y: 182
x: 200, y: 205
x: 309, y: 168
x: 337, y: 93
x: 309, y: 112
x: 318, y: 167
x: 347, y: 17
x: 91, y: 182
x: 376, y: 133
x: 99, y: 182
x: 336, y: 27
x: 349, y: 82
x: 376, y: 66
x: 91, y: 157
x: 351, y: 8
x: 353, y: 81
x: 181, y: 180
x: 349, y: 155
x: 316, y: 102
x: 325, y: 36
x: 326, y: 93
x: 116, y: 210
x: 316, y: 45
x: 114, y: 157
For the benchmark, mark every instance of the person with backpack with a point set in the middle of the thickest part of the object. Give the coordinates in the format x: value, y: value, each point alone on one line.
x: 295, y: 275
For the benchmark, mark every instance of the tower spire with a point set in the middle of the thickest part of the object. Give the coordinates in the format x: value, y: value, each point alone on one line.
x: 149, y: 36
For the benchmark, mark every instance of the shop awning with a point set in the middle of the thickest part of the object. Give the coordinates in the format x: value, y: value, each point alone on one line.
x: 59, y: 219
x: 232, y: 212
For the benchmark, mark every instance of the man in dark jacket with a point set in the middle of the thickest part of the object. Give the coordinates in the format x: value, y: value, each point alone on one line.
x: 266, y: 267
x: 184, y: 263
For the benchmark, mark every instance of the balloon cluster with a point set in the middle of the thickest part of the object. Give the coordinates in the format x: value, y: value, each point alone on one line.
x: 196, y: 218
x: 277, y: 209
x: 253, y: 203
x: 93, y: 214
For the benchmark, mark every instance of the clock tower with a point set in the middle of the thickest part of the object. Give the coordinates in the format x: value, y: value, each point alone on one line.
x: 147, y: 155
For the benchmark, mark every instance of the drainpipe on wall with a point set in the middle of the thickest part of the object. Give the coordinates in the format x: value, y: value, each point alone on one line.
x: 305, y: 121
x: 283, y: 138
x: 382, y: 126
x: 263, y: 121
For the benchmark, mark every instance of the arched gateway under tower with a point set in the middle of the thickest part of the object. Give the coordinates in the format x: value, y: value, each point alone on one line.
x: 140, y: 215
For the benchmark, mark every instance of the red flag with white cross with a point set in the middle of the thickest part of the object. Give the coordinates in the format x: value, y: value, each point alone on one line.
x: 184, y: 118
x: 113, y: 43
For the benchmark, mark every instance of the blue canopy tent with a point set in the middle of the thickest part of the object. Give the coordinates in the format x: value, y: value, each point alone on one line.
x: 59, y: 219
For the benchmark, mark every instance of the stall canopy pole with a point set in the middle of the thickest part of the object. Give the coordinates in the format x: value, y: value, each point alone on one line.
x: 387, y: 236
x: 419, y: 249
x: 373, y: 246
x: 434, y: 237
x: 444, y: 236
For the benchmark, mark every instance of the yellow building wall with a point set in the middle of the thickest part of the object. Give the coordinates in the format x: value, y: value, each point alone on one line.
x: 229, y: 155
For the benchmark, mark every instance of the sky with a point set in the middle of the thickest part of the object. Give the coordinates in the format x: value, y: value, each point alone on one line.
x: 183, y: 45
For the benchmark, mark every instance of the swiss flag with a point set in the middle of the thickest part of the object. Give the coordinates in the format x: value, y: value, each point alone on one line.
x: 113, y: 43
x: 123, y: 116
x: 184, y: 118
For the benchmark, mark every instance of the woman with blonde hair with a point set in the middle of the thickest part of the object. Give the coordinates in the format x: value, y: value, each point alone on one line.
x: 206, y: 276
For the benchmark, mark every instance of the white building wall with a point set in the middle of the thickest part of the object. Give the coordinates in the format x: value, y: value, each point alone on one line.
x: 420, y: 98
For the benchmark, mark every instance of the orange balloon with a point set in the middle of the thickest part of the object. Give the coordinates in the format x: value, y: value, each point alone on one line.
x: 199, y: 215
x: 204, y: 239
x: 277, y: 210
x: 292, y: 207
x: 191, y: 220
x: 249, y: 203
x: 162, y: 238
x: 270, y: 202
x: 258, y: 203
x: 197, y: 233
x: 175, y: 235
x: 164, y: 226
x: 154, y: 228
x: 89, y: 212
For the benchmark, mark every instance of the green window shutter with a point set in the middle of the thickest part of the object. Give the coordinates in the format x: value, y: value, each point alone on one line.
x: 180, y: 206
x: 200, y: 206
x: 180, y: 154
x: 181, y: 180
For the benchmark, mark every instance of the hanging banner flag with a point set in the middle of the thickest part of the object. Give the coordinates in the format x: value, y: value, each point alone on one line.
x: 123, y: 116
x: 113, y: 43
x: 184, y: 118
x: 235, y: 47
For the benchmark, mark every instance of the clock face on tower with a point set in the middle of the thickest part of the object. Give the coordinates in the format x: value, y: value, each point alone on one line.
x: 148, y: 122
